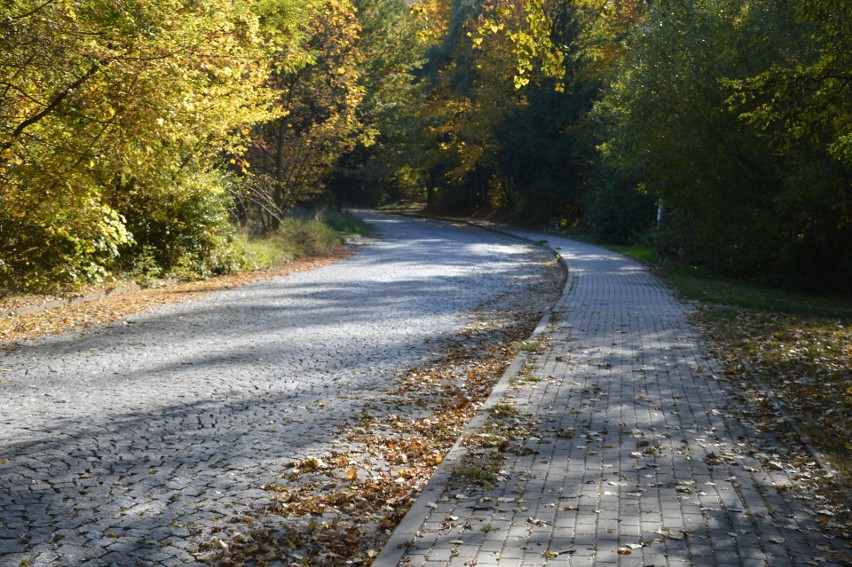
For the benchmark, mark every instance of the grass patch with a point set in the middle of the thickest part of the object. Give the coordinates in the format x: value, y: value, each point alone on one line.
x: 480, y: 469
x: 344, y: 223
x: 531, y: 346
x: 645, y: 254
x: 707, y: 287
x: 504, y: 409
x: 299, y: 238
x: 402, y: 205
x: 526, y: 378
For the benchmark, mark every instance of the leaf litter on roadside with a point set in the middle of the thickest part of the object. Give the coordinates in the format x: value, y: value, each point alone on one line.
x: 339, y: 508
x: 788, y: 368
x: 111, y: 308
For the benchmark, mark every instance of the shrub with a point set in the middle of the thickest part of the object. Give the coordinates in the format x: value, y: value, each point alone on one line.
x: 620, y: 214
x: 40, y: 252
x: 187, y: 229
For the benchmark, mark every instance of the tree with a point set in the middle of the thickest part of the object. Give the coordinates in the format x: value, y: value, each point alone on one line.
x: 545, y: 146
x: 671, y: 135
x: 318, y: 94
x: 393, y: 41
x: 105, y: 104
x: 802, y: 106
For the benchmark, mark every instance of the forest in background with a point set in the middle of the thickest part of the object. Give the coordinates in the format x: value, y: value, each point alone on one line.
x: 718, y: 131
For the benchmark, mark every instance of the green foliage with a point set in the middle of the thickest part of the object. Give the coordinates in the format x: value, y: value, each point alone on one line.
x: 714, y: 289
x: 620, y: 214
x: 805, y: 99
x: 307, y: 237
x: 100, y: 98
x: 316, y: 80
x: 343, y: 223
x: 119, y: 121
x: 393, y: 42
x: 545, y: 145
x: 802, y: 105
x: 187, y: 226
x: 38, y: 252
x: 295, y: 238
x: 735, y: 201
x: 479, y: 141
x: 145, y: 269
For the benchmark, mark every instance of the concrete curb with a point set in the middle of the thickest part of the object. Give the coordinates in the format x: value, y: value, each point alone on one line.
x: 406, y: 531
x: 395, y: 548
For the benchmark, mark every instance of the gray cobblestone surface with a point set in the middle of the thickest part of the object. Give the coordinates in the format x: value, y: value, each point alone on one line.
x: 626, y: 451
x: 122, y: 446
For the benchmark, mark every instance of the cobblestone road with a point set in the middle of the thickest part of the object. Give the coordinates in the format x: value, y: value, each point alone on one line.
x: 620, y: 443
x: 120, y: 447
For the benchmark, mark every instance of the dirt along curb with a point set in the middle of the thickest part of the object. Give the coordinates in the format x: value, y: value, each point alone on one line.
x: 395, y: 548
x: 75, y: 300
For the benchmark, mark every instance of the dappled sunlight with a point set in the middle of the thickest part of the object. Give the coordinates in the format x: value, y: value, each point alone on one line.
x: 143, y: 440
x: 620, y: 441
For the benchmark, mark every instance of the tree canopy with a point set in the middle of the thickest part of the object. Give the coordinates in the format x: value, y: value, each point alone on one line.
x: 156, y: 129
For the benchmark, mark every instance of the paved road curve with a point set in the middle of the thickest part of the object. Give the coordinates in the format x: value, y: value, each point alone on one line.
x: 117, y: 447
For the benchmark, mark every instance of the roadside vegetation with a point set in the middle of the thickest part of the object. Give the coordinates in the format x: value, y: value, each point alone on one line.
x: 298, y: 238
x: 148, y: 136
x: 299, y: 244
x: 159, y: 139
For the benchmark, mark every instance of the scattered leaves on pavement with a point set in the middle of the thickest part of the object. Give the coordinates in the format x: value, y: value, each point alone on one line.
x: 339, y: 508
x: 792, y: 374
x: 335, y: 509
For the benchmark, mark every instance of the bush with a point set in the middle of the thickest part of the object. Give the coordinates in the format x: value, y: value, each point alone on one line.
x: 307, y: 237
x: 186, y: 229
x: 343, y: 222
x: 295, y: 238
x: 39, y: 253
x: 619, y: 214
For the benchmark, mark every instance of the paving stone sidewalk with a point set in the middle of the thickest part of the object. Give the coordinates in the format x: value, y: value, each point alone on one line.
x: 625, y: 450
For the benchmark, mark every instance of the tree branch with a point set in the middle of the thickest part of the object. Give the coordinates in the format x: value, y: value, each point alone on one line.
x: 51, y: 106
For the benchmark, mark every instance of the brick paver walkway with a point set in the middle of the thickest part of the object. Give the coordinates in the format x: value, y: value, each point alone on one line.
x: 625, y: 450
